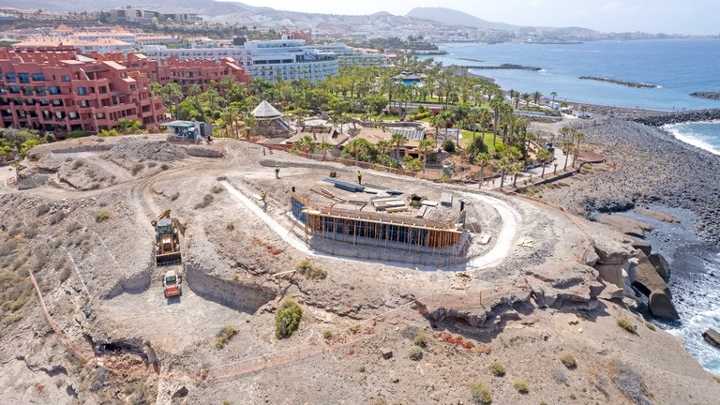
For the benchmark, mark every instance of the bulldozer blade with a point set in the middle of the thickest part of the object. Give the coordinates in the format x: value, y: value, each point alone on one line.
x: 168, y: 259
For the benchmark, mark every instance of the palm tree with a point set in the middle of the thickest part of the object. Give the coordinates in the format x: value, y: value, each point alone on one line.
x: 544, y: 156
x: 515, y: 169
x: 384, y: 147
x: 579, y: 137
x: 250, y: 122
x: 566, y: 145
x: 536, y: 97
x: 482, y: 159
x: 553, y: 94
x: 424, y: 147
x: 324, y: 147
x: 526, y: 98
x: 397, y: 140
x: 437, y: 121
x: 503, y: 166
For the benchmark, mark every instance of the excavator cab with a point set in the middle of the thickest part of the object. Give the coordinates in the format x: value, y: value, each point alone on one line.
x: 167, y: 240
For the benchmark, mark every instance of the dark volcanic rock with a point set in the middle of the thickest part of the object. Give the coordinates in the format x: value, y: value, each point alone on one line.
x: 677, y: 117
x: 649, y: 281
x: 710, y: 95
x: 646, y: 166
x: 713, y: 337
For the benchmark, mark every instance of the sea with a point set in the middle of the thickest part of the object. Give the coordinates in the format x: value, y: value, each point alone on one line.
x: 678, y: 67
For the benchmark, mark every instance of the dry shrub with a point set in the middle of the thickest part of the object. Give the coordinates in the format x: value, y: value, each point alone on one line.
x: 310, y: 271
x: 207, y: 200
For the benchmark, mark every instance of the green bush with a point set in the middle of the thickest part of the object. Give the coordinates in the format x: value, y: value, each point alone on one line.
x: 102, y: 216
x: 224, y: 336
x: 107, y: 133
x: 310, y: 271
x: 497, y: 369
x: 287, y: 319
x: 481, y: 394
x: 449, y: 146
x: 415, y: 353
x: 421, y: 340
x: 627, y: 325
x: 78, y: 133
x: 569, y: 361
x: 521, y: 386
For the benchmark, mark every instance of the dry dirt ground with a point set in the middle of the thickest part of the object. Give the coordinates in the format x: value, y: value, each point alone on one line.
x: 371, y: 332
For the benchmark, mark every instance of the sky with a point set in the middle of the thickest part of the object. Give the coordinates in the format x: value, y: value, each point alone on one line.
x: 668, y: 16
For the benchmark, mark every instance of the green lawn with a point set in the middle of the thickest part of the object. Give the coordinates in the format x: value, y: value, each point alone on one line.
x: 376, y: 117
x: 467, y: 138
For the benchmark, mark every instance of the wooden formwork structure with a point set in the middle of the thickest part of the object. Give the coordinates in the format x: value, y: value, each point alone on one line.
x: 377, y: 229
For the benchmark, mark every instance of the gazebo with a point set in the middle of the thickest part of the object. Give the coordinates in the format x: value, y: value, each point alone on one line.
x: 269, y: 121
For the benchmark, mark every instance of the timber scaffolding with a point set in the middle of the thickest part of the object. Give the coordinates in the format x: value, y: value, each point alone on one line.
x: 428, y: 241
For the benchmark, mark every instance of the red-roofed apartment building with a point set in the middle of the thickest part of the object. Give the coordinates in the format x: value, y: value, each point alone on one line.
x: 186, y: 73
x: 56, y: 89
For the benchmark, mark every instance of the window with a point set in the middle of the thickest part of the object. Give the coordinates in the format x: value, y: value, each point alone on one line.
x: 24, y: 77
x: 38, y: 77
x: 10, y: 77
x: 81, y: 91
x: 54, y: 90
x: 66, y: 78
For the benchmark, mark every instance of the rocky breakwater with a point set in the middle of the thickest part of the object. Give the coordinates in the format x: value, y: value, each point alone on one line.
x: 708, y: 95
x: 504, y: 66
x: 635, y: 85
x: 661, y: 119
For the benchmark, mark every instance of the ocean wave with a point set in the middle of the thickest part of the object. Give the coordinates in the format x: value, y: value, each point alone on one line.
x: 688, y: 136
x: 691, y: 334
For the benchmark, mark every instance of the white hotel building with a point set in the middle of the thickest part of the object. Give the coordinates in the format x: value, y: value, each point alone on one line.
x: 273, y: 60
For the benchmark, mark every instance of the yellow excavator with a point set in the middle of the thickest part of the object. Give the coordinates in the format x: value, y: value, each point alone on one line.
x: 167, y: 239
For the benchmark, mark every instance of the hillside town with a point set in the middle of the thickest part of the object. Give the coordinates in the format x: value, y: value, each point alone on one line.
x: 196, y: 212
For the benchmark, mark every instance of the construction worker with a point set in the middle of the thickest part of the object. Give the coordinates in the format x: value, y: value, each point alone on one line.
x: 263, y: 198
x: 359, y: 177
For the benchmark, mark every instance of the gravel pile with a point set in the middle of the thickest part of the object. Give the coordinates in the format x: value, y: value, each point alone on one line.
x: 160, y: 151
x: 650, y: 167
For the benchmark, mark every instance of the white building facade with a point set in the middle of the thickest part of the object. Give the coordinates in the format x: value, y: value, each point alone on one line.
x: 348, y: 56
x: 272, y: 60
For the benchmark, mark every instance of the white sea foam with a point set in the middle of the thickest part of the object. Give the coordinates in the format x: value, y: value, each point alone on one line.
x: 691, y: 138
x: 691, y: 333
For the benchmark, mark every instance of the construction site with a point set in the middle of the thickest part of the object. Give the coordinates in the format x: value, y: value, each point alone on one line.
x: 139, y: 270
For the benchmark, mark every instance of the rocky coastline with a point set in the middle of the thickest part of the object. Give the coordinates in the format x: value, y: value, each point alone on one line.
x: 646, y: 166
x: 708, y: 95
x: 660, y: 119
x: 648, y: 171
x: 635, y: 85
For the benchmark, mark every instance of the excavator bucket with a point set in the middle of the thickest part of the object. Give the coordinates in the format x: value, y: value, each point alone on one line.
x: 168, y: 259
